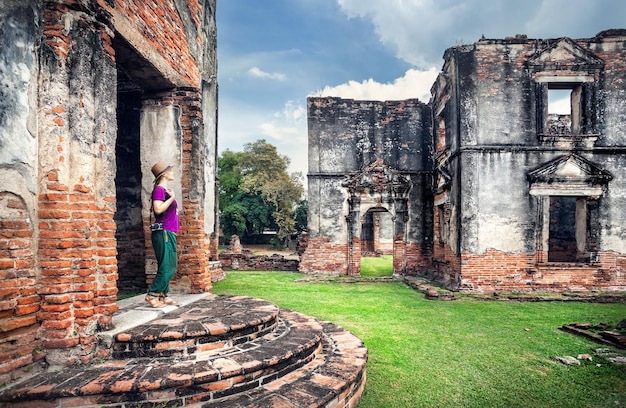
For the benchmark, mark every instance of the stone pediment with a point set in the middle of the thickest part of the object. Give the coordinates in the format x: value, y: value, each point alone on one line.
x: 565, y: 54
x: 569, y: 175
x: 378, y: 177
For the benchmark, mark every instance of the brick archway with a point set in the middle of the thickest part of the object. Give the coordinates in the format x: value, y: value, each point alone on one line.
x: 377, y: 188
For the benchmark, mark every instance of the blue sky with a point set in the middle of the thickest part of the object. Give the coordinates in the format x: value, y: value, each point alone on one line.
x: 273, y: 54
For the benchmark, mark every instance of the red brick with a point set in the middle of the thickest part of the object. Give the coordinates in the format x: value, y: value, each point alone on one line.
x: 7, y: 325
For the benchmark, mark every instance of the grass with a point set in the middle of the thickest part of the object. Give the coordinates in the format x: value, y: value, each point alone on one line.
x: 464, y: 353
x: 377, y: 267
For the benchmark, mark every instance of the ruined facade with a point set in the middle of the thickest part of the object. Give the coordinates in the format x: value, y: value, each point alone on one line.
x: 93, y: 93
x: 513, y: 196
x: 368, y: 183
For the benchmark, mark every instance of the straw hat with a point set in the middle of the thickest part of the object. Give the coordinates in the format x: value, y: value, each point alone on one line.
x: 159, y: 169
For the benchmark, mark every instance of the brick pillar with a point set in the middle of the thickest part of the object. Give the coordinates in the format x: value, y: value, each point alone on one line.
x: 399, y: 258
x: 354, y: 260
x: 77, y: 253
x: 195, y: 249
x: 76, y: 193
x: 194, y: 243
x: 353, y: 222
x: 376, y: 247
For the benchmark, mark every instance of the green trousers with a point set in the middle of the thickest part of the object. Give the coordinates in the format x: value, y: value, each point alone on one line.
x: 164, y: 244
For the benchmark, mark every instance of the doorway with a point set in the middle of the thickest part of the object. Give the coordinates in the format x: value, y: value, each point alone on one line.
x: 131, y: 251
x: 377, y: 243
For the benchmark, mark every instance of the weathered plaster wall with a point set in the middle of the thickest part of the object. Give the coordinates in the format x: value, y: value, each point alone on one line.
x: 345, y: 137
x: 488, y: 107
x: 18, y: 100
x: 19, y: 300
x: 59, y: 64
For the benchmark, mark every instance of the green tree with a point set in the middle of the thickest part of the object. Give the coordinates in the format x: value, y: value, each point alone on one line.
x: 257, y: 192
x: 302, y: 215
x: 230, y: 177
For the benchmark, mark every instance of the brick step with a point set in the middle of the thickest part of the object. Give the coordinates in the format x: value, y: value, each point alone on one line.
x: 334, y: 379
x: 208, y: 326
x: 316, y: 358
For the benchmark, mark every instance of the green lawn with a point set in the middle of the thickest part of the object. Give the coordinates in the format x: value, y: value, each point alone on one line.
x: 376, y: 267
x: 463, y: 353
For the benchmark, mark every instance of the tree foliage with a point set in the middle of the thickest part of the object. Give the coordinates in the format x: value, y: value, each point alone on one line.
x: 302, y: 215
x: 257, y: 192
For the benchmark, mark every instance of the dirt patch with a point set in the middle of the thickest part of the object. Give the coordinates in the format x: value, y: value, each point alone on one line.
x: 268, y: 250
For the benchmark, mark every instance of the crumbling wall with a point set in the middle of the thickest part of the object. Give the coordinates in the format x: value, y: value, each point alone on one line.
x: 20, y: 300
x: 345, y: 137
x: 501, y: 161
x: 59, y: 64
x: 492, y: 132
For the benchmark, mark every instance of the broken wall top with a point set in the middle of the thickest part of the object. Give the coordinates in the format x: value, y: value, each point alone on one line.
x: 346, y: 135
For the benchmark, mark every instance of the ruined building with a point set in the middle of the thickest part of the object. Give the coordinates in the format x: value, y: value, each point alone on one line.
x: 485, y: 188
x: 368, y: 184
x: 93, y: 93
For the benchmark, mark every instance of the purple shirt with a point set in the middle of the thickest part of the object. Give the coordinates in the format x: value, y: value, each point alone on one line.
x: 169, y: 217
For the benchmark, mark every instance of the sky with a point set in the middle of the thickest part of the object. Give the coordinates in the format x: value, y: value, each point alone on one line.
x: 273, y: 54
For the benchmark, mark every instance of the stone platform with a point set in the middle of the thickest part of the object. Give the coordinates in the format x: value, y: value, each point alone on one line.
x: 213, y: 351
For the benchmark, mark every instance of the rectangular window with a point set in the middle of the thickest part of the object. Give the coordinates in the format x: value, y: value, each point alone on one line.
x: 564, y: 112
x: 567, y: 230
x: 443, y: 224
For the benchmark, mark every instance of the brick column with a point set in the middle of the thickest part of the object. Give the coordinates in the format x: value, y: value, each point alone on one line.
x: 194, y: 247
x: 76, y: 193
x: 194, y: 243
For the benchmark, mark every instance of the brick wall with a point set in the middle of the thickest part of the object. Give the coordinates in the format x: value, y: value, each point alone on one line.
x: 496, y: 271
x: 323, y: 256
x: 245, y: 261
x: 58, y: 246
x: 19, y: 300
x: 159, y: 23
x: 417, y: 258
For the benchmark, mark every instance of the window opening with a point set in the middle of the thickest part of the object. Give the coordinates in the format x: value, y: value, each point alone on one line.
x: 564, y: 113
x: 443, y: 224
x: 567, y: 229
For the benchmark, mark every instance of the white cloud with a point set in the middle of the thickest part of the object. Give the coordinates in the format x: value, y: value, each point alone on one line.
x: 287, y: 130
x: 287, y: 126
x: 258, y: 73
x: 414, y: 84
x: 419, y: 31
x: 276, y: 132
x: 292, y: 112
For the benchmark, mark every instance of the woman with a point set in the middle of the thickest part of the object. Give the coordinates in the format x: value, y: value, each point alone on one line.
x: 165, y: 209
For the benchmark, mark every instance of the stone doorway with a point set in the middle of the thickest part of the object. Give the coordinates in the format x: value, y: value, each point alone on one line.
x: 377, y: 202
x: 137, y: 81
x: 377, y: 233
x: 131, y: 251
x: 377, y: 238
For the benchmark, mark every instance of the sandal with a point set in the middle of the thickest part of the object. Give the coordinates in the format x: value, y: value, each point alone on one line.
x: 154, y: 301
x: 169, y: 301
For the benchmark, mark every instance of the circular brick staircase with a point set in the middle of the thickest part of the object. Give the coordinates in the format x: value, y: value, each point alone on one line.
x: 214, y: 351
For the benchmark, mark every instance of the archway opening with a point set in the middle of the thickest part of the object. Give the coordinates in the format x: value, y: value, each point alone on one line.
x: 131, y: 251
x: 136, y: 78
x: 377, y: 230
